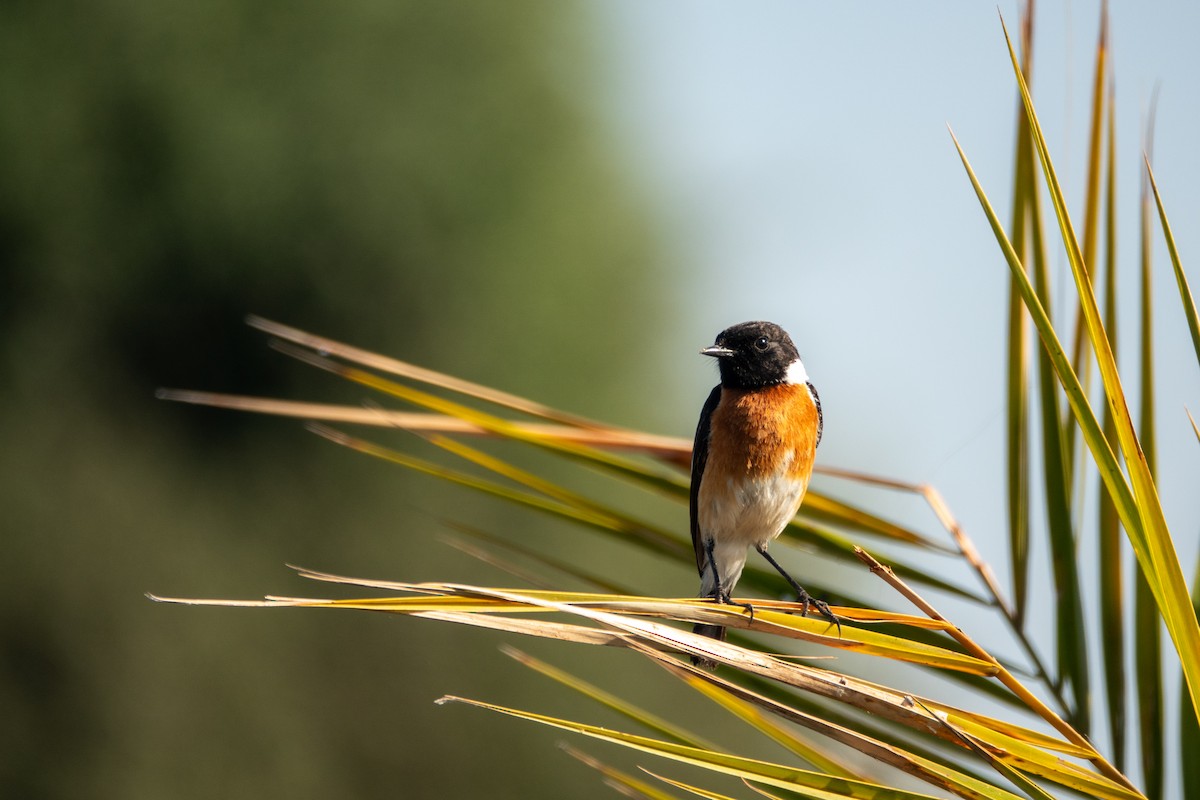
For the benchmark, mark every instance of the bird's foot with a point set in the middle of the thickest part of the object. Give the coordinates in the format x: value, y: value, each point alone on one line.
x: 806, y: 601
x: 804, y: 598
x: 725, y: 600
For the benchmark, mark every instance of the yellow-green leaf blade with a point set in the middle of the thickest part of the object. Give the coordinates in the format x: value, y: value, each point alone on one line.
x: 1189, y: 720
x: 1111, y: 568
x: 1148, y: 670
x: 621, y: 781
x: 1017, y: 374
x: 639, y: 715
x: 1185, y: 291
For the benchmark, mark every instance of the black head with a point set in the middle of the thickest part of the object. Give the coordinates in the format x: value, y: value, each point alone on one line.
x: 756, y: 354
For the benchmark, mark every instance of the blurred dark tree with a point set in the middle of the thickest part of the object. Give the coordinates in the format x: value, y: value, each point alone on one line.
x: 427, y: 179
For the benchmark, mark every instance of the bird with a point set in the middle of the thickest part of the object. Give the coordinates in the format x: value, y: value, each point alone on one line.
x: 752, y: 459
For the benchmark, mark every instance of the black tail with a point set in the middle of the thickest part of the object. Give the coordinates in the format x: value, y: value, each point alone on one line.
x: 713, y: 632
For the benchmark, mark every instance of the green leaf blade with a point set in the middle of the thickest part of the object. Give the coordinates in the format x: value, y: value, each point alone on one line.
x: 1111, y: 572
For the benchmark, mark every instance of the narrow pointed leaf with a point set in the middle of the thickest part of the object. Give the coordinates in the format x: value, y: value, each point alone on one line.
x: 1148, y: 669
x: 641, y: 716
x: 711, y: 795
x: 1017, y: 777
x: 1018, y: 364
x: 1189, y: 720
x: 837, y: 546
x: 1185, y: 291
x: 619, y: 780
x: 1069, y: 613
x: 1111, y: 572
x: 1038, y: 762
x: 815, y: 756
x: 1091, y: 214
x: 1056, y: 477
x: 543, y: 629
x: 827, y: 509
x: 671, y: 449
x: 395, y: 366
x: 1056, y: 462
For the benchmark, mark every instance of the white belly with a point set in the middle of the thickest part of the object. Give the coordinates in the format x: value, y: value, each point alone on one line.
x: 741, y: 514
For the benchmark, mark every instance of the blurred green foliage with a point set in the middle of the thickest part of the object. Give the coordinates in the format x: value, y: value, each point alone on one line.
x: 422, y: 178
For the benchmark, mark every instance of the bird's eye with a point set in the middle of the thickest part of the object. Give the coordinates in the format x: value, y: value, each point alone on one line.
x: 762, y: 343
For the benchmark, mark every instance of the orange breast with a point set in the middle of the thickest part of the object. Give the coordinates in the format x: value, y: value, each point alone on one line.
x: 758, y: 433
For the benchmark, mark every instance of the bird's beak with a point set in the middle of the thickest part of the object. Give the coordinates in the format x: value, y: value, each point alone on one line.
x: 716, y: 352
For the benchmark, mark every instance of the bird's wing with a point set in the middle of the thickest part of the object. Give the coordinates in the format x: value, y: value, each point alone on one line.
x: 699, y: 458
x: 820, y: 417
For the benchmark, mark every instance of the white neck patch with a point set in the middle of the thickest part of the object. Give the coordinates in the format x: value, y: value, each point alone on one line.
x: 796, y: 373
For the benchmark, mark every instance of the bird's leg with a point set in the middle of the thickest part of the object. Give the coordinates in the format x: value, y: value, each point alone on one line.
x: 719, y: 594
x: 802, y: 597
x: 709, y: 544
